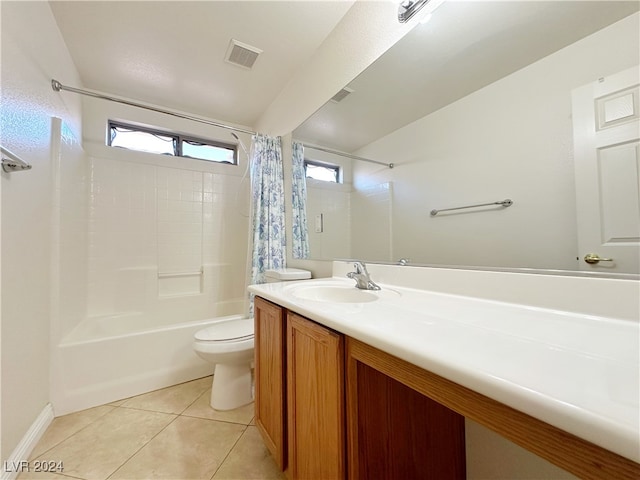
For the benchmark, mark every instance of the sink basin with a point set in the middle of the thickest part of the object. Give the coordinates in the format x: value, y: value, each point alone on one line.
x: 332, y: 293
x: 340, y: 293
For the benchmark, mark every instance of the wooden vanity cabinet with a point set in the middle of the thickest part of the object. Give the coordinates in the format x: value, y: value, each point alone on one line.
x: 332, y: 407
x: 315, y: 396
x: 270, y: 378
x: 299, y: 393
x: 326, y: 413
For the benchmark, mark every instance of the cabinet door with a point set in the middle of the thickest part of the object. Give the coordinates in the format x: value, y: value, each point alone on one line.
x: 316, y: 424
x: 270, y: 377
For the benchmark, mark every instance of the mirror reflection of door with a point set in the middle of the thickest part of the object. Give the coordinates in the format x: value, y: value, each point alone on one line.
x: 606, y: 127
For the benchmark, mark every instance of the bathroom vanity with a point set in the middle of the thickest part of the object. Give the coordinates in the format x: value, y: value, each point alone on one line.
x: 301, y: 410
x: 350, y: 383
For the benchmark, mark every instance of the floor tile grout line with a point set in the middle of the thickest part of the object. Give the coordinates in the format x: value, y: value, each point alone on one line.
x: 177, y: 385
x: 140, y: 409
x: 230, y: 422
x: 229, y: 452
x: 189, y: 415
x: 246, y: 426
x: 71, y: 477
x: 122, y: 404
x: 163, y: 388
x: 76, y: 432
x: 141, y: 447
x: 196, y: 399
x: 113, y: 407
x: 150, y: 409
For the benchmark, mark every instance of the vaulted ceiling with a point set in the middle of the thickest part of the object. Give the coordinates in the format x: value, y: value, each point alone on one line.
x: 172, y: 53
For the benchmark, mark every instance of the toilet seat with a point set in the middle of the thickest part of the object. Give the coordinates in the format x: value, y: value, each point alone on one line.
x: 227, y: 331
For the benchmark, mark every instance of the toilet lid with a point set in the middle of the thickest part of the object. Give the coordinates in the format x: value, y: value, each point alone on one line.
x: 284, y: 274
x: 227, y: 330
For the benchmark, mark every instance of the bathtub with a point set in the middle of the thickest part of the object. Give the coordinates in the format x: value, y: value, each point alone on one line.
x: 111, y: 358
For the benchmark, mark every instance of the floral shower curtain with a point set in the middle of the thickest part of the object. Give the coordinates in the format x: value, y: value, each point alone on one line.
x: 300, y: 240
x: 267, y: 188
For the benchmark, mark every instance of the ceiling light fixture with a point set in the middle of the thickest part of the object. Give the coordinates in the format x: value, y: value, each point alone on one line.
x: 408, y: 8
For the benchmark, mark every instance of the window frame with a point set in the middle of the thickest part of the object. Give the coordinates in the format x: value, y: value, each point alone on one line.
x: 178, y: 139
x: 316, y: 163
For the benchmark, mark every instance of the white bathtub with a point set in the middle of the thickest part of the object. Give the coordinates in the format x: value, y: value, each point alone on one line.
x: 111, y: 358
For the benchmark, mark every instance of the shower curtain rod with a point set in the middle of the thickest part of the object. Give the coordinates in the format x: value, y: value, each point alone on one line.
x: 348, y: 155
x: 57, y: 86
x: 12, y: 162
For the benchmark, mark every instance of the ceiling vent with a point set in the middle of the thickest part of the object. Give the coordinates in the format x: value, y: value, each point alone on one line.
x: 338, y: 97
x: 241, y: 54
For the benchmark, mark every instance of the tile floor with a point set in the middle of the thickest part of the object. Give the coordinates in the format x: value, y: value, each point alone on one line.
x: 171, y: 433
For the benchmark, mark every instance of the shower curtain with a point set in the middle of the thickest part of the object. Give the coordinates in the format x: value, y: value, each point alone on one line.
x: 267, y: 188
x: 300, y: 237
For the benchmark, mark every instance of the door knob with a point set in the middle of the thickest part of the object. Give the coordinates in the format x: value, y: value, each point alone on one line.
x: 594, y: 258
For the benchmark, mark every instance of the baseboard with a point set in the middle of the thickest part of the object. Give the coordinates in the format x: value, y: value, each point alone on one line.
x: 15, y: 464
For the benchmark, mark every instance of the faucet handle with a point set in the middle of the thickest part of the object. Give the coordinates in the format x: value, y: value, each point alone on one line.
x: 360, y: 267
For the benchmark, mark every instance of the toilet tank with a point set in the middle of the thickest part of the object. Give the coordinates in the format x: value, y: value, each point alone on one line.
x: 286, y: 275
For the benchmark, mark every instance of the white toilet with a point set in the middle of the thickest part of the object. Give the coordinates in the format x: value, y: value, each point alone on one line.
x: 229, y: 345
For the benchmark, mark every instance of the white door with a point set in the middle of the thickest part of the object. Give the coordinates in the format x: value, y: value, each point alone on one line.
x: 606, y: 136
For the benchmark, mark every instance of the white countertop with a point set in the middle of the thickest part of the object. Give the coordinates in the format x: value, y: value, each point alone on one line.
x: 578, y: 372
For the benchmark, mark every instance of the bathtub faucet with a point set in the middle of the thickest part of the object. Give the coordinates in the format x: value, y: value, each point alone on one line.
x: 361, y: 276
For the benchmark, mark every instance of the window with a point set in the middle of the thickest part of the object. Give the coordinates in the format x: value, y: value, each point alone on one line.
x: 322, y: 171
x: 167, y: 143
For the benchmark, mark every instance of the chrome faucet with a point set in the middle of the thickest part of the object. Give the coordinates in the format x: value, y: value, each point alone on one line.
x: 361, y: 276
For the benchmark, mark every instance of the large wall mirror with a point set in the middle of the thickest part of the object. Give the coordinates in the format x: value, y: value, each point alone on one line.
x: 535, y: 102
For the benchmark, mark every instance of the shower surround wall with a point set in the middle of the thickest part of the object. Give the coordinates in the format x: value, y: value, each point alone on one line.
x: 331, y: 201
x: 69, y: 265
x: 329, y: 237
x: 148, y: 223
x: 165, y: 255
x: 351, y: 220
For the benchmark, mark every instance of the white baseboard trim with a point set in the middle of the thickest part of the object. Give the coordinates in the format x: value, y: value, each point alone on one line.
x: 14, y: 465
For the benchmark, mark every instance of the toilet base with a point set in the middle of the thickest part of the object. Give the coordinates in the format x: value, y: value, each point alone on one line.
x: 231, y: 387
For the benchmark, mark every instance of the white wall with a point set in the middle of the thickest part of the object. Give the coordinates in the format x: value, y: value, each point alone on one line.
x: 52, y: 249
x: 33, y: 53
x: 511, y: 139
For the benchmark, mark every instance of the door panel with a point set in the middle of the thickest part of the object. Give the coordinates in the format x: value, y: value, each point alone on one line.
x: 606, y: 127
